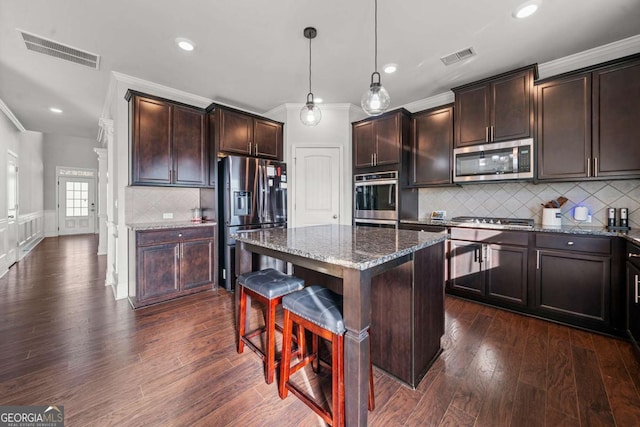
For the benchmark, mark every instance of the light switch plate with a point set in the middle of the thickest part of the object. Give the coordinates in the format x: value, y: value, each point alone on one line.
x: 167, y: 215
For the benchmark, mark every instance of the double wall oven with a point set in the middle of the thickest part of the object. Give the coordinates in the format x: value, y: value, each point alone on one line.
x: 375, y: 199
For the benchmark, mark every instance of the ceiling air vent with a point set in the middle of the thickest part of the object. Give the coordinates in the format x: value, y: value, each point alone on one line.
x: 458, y: 56
x: 59, y: 50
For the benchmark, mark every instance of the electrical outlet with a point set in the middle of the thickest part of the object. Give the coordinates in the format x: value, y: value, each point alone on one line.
x: 167, y: 215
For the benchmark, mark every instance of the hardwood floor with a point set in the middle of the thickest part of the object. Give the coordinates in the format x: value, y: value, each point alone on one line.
x: 64, y: 340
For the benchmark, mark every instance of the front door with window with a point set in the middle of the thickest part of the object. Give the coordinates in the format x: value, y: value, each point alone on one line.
x: 76, y: 205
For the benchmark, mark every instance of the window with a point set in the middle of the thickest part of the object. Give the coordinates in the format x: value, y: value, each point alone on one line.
x: 77, y: 197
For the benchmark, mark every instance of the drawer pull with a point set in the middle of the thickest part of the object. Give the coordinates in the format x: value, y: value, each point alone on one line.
x: 179, y: 234
x: 537, y: 260
x: 636, y: 295
x: 632, y: 255
x: 570, y: 243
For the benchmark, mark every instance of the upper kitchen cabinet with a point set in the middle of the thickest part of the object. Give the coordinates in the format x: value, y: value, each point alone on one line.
x: 495, y: 109
x: 432, y: 146
x: 379, y: 141
x: 248, y: 135
x: 588, y: 122
x: 168, y: 143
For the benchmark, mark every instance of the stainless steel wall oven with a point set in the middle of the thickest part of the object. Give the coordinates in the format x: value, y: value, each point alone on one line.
x: 376, y: 197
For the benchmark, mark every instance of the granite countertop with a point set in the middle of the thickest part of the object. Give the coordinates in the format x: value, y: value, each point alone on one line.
x: 359, y: 248
x: 632, y: 235
x: 168, y: 224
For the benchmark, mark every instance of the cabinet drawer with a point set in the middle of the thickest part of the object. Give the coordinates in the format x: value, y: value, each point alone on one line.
x: 174, y: 235
x: 520, y: 238
x: 601, y: 245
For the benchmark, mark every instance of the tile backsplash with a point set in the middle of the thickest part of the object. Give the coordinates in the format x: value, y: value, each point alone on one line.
x: 147, y: 204
x: 523, y: 200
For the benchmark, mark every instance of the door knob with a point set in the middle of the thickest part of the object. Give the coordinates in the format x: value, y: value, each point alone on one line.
x: 335, y: 216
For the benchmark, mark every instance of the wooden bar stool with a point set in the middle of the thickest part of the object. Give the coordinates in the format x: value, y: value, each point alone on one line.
x: 266, y: 286
x: 318, y: 310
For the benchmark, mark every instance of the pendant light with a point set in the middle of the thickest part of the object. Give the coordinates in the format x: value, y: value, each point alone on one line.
x: 310, y: 114
x: 376, y: 100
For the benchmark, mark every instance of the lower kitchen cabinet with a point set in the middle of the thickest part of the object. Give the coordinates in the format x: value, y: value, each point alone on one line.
x: 170, y: 263
x: 489, y: 265
x: 633, y: 294
x: 573, y: 279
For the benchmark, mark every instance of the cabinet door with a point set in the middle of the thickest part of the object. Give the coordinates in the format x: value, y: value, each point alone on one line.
x: 506, y: 273
x: 158, y: 272
x: 387, y: 136
x: 465, y: 263
x: 189, y: 147
x: 564, y: 128
x: 363, y: 144
x: 267, y: 139
x: 573, y: 285
x: 511, y: 107
x: 151, y: 152
x: 633, y: 303
x: 616, y: 120
x: 236, y: 132
x: 196, y: 264
x: 472, y: 115
x: 432, y: 147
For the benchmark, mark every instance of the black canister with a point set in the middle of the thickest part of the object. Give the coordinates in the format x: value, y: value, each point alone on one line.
x: 624, y: 217
x: 611, y: 217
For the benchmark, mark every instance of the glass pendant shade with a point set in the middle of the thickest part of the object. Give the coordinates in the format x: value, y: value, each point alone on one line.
x: 376, y: 100
x: 310, y: 114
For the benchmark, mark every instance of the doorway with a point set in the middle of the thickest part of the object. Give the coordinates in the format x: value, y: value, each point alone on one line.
x: 318, y: 187
x: 76, y: 201
x: 12, y: 208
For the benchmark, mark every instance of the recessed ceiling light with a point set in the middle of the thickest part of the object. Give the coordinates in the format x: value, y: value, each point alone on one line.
x: 390, y: 68
x: 55, y: 110
x: 185, y: 44
x: 526, y: 9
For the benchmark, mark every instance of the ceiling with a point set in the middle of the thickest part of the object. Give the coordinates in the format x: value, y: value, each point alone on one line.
x: 252, y: 53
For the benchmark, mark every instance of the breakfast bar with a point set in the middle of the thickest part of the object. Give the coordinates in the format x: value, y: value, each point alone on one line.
x: 392, y: 280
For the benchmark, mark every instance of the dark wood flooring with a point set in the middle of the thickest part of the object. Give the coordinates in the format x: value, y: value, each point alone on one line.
x: 64, y: 340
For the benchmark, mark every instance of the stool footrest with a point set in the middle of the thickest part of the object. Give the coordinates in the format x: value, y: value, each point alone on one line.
x: 323, y: 413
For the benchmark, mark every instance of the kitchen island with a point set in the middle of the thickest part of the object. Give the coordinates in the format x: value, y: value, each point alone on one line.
x: 391, y: 280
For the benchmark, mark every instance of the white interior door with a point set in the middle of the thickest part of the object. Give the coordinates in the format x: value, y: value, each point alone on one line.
x: 12, y: 209
x: 318, y: 186
x: 76, y: 205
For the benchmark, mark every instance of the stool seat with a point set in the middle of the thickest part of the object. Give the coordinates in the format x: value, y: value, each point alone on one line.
x: 318, y: 305
x: 270, y: 283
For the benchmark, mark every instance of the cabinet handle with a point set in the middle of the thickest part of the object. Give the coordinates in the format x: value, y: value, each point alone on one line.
x: 372, y: 159
x: 570, y: 243
x: 632, y: 255
x: 636, y: 293
x: 588, y: 166
x: 375, y: 158
x: 255, y: 149
x: 486, y: 134
x: 179, y: 234
x: 595, y: 166
x: 491, y: 132
x: 537, y: 260
x: 249, y: 147
x: 175, y: 274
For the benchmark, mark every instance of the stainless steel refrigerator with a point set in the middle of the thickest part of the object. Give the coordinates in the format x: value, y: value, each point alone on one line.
x: 253, y: 196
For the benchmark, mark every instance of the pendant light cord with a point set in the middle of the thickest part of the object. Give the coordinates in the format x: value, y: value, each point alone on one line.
x: 309, y: 64
x: 375, y: 61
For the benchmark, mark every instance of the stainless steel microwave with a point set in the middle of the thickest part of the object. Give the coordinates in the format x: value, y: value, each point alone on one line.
x: 376, y: 197
x: 494, y: 161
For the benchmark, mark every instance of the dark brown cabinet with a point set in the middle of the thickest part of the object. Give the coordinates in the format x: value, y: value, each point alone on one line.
x: 573, y: 278
x: 432, y: 147
x: 172, y: 262
x: 379, y: 141
x: 490, y: 264
x: 587, y: 124
x: 632, y: 322
x: 168, y: 143
x: 495, y: 109
x: 247, y: 135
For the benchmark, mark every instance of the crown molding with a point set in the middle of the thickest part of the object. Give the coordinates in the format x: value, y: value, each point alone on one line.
x: 161, y: 90
x: 607, y: 52
x: 431, y: 102
x: 5, y: 109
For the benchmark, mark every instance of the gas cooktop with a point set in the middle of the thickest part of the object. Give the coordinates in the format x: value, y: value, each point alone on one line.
x: 475, y: 221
